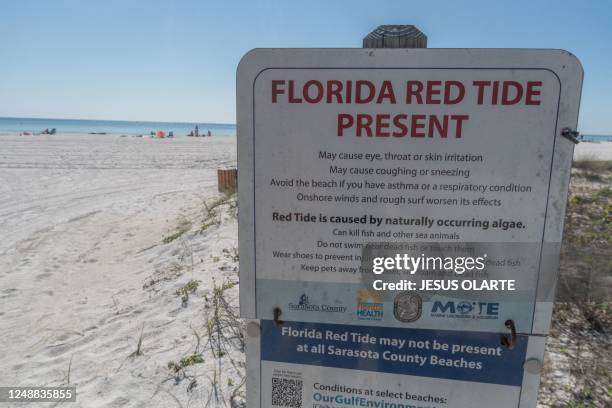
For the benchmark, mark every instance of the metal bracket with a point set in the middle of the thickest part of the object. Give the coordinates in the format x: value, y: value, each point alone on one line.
x: 277, y: 314
x: 570, y: 134
x: 509, y: 342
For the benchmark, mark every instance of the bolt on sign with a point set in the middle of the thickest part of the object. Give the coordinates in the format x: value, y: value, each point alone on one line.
x: 401, y: 214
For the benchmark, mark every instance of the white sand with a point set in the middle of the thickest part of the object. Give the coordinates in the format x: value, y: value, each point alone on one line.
x: 591, y: 150
x: 82, y: 220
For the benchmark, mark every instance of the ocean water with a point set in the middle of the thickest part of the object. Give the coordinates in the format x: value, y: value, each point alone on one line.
x: 596, y: 138
x: 122, y: 127
x: 116, y: 127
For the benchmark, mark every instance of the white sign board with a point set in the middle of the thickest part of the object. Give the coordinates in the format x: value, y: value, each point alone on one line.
x: 345, y: 155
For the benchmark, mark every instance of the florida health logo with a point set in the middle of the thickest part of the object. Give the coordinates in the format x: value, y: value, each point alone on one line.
x: 465, y: 310
x: 370, y: 311
x: 304, y: 305
x: 370, y: 305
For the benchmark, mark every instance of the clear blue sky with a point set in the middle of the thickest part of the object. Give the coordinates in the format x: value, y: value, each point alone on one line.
x: 176, y: 60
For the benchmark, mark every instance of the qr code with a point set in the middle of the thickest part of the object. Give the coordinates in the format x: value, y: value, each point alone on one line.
x: 286, y: 392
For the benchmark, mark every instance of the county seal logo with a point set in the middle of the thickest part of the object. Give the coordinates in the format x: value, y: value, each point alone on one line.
x: 407, y: 307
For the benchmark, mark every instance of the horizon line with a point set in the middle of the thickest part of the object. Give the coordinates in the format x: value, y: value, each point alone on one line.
x: 120, y: 120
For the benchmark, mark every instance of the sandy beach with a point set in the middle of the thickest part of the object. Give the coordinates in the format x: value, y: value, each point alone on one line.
x: 98, y: 234
x: 90, y: 258
x: 593, y: 150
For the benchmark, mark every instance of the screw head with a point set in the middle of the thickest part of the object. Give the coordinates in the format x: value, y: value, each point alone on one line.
x: 533, y: 366
x: 253, y: 329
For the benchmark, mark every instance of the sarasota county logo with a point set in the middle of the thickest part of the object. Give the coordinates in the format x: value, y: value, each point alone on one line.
x: 305, y: 305
x: 407, y: 307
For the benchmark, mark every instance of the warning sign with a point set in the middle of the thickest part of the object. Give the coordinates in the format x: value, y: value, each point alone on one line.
x: 401, y: 213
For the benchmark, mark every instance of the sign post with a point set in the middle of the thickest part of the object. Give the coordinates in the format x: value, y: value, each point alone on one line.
x: 395, y: 36
x: 401, y: 213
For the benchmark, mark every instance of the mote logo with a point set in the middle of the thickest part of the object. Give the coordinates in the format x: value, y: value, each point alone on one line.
x: 465, y: 310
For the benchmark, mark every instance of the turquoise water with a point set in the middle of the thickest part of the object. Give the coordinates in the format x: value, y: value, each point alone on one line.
x: 120, y: 127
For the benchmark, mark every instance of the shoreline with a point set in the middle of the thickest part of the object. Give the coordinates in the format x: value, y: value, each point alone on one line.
x: 120, y: 134
x: 585, y: 150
